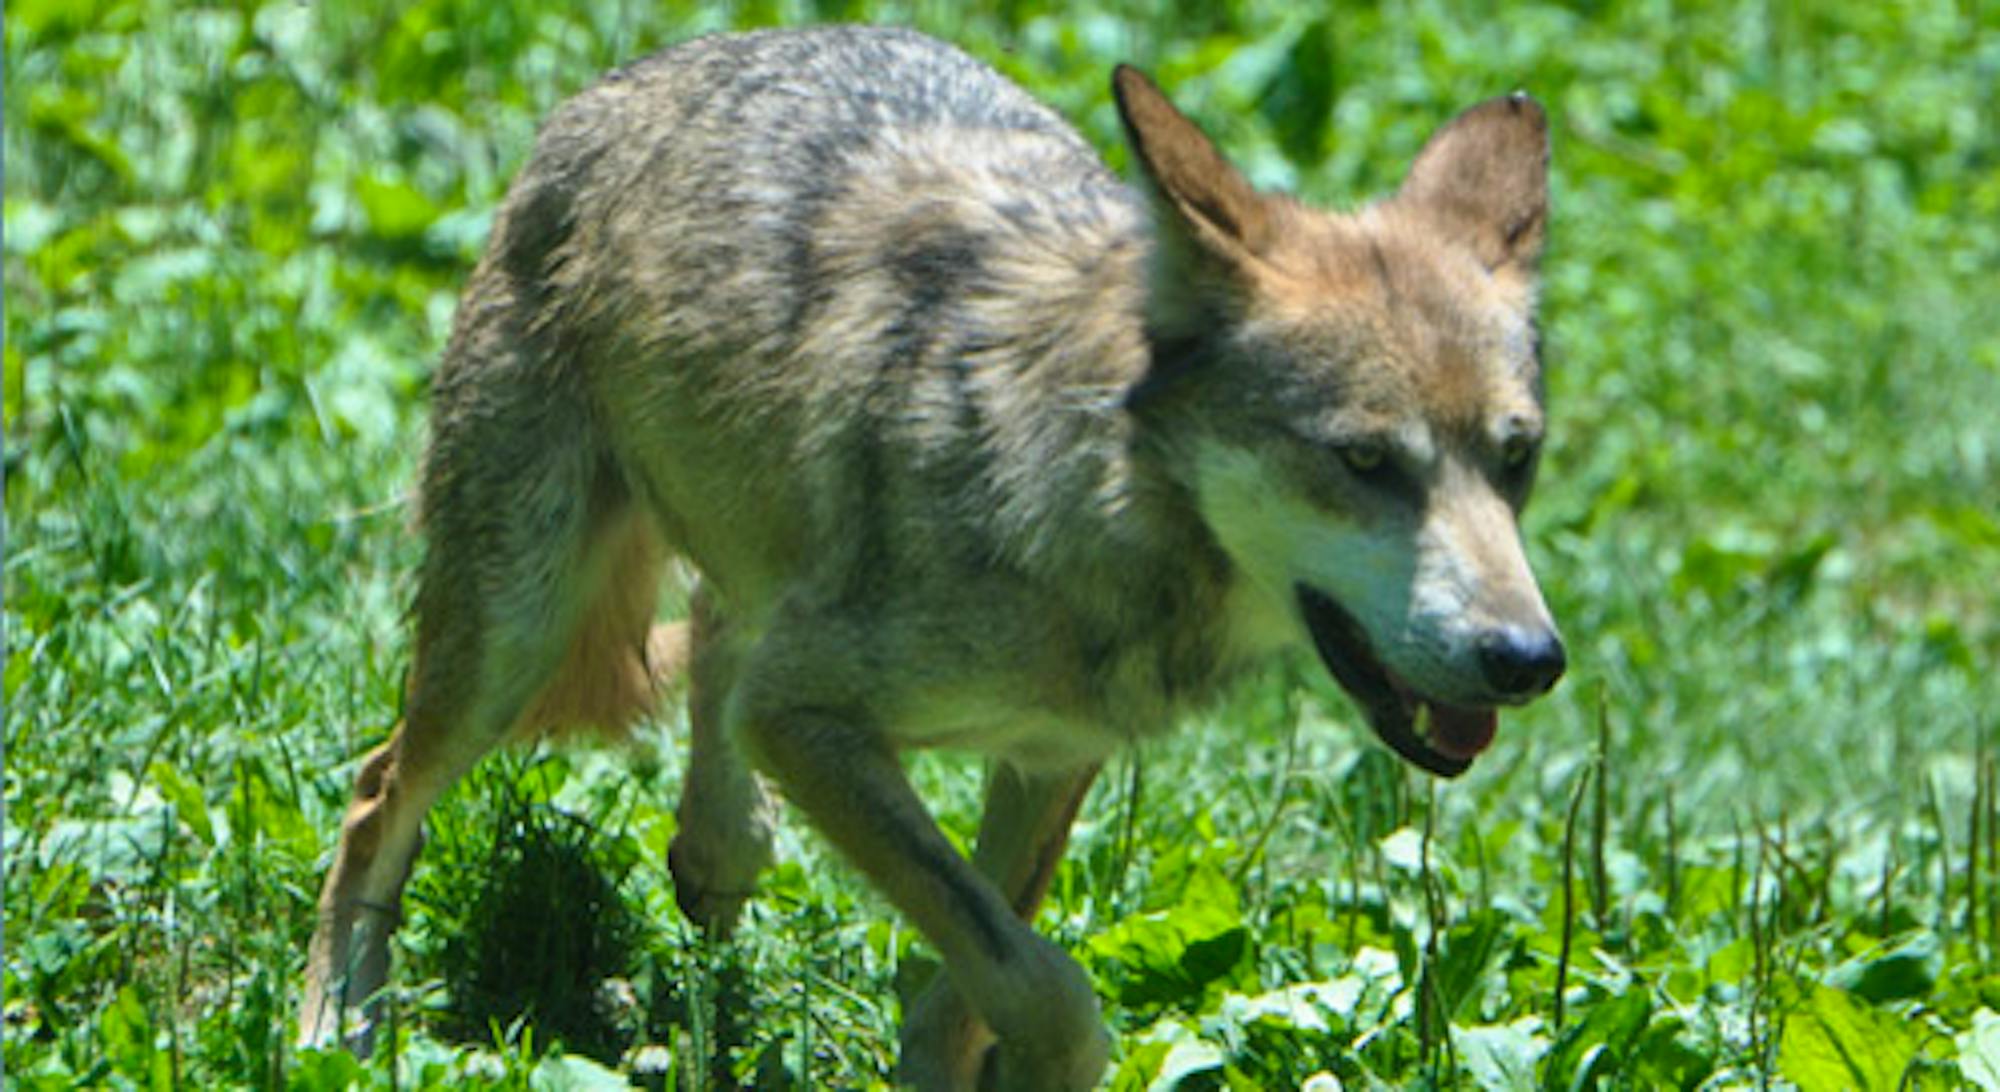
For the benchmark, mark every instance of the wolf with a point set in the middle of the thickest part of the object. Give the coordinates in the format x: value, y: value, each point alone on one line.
x: 969, y: 444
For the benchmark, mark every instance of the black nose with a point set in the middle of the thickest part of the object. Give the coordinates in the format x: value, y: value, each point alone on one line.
x: 1521, y: 663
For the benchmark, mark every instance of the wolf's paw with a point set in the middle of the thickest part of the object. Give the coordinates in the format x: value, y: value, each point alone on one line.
x: 1076, y: 1066
x: 1050, y: 1027
x: 711, y: 907
x: 944, y: 1044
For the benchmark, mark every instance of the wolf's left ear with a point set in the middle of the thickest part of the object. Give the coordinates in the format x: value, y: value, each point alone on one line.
x: 1215, y: 206
x: 1485, y: 178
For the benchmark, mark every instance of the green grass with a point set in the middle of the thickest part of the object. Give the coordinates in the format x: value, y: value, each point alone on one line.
x: 1752, y: 839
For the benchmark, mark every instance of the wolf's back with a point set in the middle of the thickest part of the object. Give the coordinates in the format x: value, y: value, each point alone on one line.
x: 713, y: 168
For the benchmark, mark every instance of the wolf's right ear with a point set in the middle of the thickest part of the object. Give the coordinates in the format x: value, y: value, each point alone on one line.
x: 1212, y: 205
x: 1485, y: 178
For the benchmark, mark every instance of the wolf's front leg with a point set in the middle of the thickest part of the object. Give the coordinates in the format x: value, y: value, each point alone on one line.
x: 1037, y: 1001
x: 1021, y: 838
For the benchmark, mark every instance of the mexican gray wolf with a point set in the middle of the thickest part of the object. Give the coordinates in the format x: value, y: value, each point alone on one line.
x: 969, y: 444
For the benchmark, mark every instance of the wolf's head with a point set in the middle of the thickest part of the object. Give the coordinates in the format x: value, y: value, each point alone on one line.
x: 1355, y: 401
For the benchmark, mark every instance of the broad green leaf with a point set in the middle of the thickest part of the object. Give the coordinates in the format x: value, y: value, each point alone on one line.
x: 1140, y: 1066
x: 1502, y: 1057
x: 1837, y: 1042
x: 575, y: 1073
x: 1665, y: 1059
x: 186, y: 798
x: 1172, y: 956
x: 324, y: 1071
x: 1733, y: 963
x: 1979, y: 1050
x: 1317, y: 1007
x: 1185, y: 1059
x: 1403, y: 849
x: 1470, y: 949
x: 1908, y: 970
x: 1598, y: 1045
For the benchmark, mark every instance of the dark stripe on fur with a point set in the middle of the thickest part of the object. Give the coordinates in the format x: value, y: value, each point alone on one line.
x: 932, y: 268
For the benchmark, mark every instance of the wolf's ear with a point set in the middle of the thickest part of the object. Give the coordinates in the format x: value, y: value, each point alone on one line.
x: 1484, y: 178
x: 1213, y: 205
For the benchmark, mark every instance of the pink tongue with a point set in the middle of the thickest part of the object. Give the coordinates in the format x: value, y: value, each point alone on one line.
x: 1461, y: 733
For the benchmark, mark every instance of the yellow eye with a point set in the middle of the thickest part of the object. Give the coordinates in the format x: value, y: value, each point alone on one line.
x: 1516, y: 451
x: 1363, y: 457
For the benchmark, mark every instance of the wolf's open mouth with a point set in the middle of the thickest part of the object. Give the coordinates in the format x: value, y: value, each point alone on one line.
x: 1456, y: 735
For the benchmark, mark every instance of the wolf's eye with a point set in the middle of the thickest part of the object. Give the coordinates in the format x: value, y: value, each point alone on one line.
x: 1363, y: 457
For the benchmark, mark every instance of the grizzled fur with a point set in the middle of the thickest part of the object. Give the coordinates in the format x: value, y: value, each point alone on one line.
x: 970, y: 443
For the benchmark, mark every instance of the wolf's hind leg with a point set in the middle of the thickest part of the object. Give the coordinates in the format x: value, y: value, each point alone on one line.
x: 533, y: 607
x: 726, y: 816
x: 1022, y: 833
